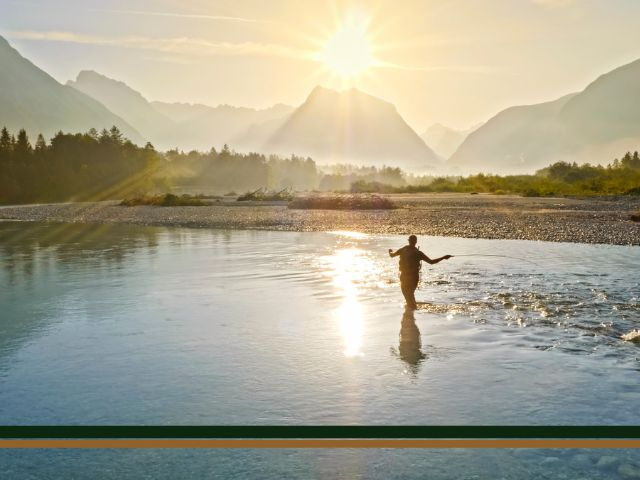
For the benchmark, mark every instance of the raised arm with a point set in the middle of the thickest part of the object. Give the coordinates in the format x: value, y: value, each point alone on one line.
x: 434, y: 260
x: 396, y: 253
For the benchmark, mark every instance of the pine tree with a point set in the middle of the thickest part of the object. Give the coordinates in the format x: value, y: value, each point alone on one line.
x: 115, y: 135
x: 104, y: 136
x: 5, y: 141
x: 22, y: 147
x: 41, y: 144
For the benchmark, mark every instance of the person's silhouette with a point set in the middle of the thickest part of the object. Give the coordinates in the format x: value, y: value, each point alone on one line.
x: 410, y: 258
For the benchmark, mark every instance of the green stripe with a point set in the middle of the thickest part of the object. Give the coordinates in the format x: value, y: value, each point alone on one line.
x: 343, y: 431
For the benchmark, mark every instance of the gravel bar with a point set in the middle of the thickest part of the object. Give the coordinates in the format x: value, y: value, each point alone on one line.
x: 578, y: 220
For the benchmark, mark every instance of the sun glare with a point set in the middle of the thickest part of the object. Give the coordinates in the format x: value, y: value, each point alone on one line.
x: 348, y: 267
x: 349, y: 51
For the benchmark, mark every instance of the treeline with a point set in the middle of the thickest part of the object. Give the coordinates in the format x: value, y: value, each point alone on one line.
x: 342, y: 177
x: 82, y: 166
x: 105, y: 165
x: 621, y: 177
x: 228, y: 170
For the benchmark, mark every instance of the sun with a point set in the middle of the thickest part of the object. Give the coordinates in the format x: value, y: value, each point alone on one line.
x: 349, y: 51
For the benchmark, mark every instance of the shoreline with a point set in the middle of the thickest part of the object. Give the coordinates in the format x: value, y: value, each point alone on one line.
x: 574, y: 220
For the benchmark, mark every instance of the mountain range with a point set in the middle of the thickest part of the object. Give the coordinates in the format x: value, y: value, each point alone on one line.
x: 595, y: 125
x: 330, y: 126
x: 201, y: 127
x: 124, y: 102
x: 174, y: 125
x: 32, y: 99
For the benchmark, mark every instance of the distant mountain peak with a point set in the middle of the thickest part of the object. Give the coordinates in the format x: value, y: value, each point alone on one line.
x: 354, y: 127
x: 32, y: 99
x: 90, y: 79
x: 126, y: 102
x: 89, y: 74
x: 321, y: 91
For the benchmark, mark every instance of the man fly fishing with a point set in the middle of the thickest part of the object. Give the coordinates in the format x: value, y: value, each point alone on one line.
x: 410, y: 258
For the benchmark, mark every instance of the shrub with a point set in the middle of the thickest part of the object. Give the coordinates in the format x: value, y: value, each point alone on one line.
x: 262, y: 195
x: 362, y: 186
x: 166, y: 200
x: 342, y: 202
x: 531, y: 192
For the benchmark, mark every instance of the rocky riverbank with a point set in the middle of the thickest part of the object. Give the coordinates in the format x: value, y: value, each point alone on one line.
x: 586, y: 220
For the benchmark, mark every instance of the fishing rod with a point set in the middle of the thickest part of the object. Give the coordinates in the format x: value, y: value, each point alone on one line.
x: 503, y: 256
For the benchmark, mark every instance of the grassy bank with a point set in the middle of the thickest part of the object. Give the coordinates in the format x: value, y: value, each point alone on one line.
x: 621, y: 177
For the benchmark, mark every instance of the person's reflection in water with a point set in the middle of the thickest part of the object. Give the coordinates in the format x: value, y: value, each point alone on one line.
x: 410, y: 343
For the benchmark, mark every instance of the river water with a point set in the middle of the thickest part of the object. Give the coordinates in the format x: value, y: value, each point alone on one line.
x: 120, y: 324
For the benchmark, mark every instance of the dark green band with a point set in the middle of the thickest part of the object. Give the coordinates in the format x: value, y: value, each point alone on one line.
x: 316, y: 432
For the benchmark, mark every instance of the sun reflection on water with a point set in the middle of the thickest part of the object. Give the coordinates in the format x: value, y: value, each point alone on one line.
x: 349, y: 316
x: 348, y: 268
x: 349, y: 234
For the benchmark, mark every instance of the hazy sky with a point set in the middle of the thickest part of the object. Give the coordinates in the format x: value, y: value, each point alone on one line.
x: 457, y: 62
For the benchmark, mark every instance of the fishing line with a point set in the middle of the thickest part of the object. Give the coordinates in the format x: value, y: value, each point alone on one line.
x: 503, y: 256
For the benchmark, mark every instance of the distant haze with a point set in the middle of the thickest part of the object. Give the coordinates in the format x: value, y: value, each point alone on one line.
x: 347, y: 125
x: 454, y: 62
x: 445, y: 140
x: 330, y: 126
x: 595, y: 125
x: 175, y: 125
